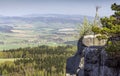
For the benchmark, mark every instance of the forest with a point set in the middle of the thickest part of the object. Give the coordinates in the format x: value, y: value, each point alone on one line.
x: 37, y: 61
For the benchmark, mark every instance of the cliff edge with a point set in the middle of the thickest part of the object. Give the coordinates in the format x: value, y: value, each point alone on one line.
x: 92, y: 61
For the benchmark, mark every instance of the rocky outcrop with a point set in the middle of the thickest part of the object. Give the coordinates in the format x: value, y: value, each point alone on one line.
x: 74, y: 61
x: 92, y: 61
x: 90, y: 40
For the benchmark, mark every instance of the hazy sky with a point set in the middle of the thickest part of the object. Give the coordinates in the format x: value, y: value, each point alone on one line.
x: 79, y: 7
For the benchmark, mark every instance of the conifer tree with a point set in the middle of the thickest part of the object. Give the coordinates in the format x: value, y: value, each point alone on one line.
x: 111, y: 29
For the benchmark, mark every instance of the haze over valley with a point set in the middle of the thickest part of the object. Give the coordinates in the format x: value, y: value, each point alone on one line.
x: 43, y: 29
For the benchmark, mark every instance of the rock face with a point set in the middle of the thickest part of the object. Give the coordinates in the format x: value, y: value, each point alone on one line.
x: 90, y: 40
x: 92, y: 61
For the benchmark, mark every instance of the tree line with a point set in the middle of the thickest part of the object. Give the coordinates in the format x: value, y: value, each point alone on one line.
x: 36, y: 61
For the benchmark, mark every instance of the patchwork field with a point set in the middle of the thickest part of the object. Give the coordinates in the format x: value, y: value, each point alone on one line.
x: 53, y: 30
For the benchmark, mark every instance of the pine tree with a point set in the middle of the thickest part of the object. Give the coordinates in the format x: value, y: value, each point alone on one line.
x: 111, y: 29
x: 111, y: 25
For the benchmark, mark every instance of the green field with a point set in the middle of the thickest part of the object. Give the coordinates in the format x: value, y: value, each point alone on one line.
x: 32, y: 32
x: 30, y: 37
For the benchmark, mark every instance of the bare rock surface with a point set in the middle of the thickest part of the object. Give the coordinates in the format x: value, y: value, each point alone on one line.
x: 92, y: 61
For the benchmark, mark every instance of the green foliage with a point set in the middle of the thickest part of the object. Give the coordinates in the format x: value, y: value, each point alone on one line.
x: 111, y: 25
x: 110, y: 29
x: 113, y: 48
x: 85, y: 28
x: 36, y: 61
x: 96, y: 29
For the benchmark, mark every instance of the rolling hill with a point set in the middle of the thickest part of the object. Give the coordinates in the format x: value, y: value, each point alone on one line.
x: 35, y: 29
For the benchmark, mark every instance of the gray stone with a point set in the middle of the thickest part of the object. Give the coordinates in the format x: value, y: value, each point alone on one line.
x: 92, y: 40
x: 93, y: 61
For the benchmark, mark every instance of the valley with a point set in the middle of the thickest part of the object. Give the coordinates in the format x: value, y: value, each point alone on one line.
x: 30, y: 31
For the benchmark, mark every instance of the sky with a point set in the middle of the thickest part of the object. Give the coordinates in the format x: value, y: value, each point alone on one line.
x: 68, y: 7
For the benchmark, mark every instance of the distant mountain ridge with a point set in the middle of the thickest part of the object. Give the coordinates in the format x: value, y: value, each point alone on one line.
x: 47, y: 18
x: 54, y: 15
